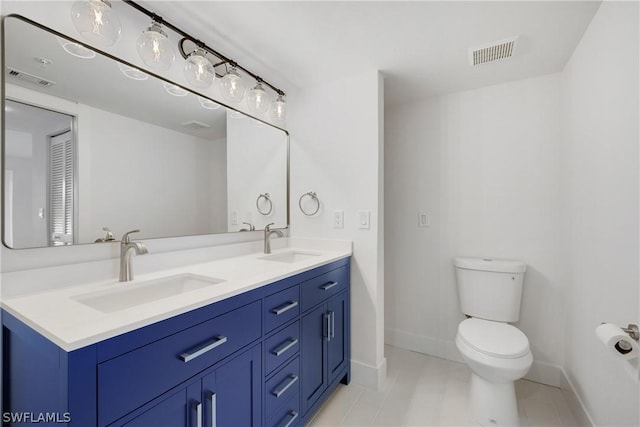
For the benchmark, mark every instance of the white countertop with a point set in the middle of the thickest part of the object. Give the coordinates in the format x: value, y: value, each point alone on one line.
x: 71, y: 324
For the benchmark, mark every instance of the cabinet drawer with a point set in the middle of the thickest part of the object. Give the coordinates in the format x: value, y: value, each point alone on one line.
x: 324, y: 286
x: 283, y: 386
x: 288, y: 415
x: 128, y: 381
x: 282, y: 346
x: 281, y: 307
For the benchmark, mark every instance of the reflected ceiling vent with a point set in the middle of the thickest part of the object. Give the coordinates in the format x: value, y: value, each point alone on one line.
x: 493, y: 51
x: 194, y: 125
x: 29, y: 78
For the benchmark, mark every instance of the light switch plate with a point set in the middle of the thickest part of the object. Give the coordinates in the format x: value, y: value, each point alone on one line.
x: 363, y: 220
x: 423, y: 219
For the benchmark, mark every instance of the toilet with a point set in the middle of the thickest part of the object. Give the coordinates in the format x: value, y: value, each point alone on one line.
x: 498, y: 353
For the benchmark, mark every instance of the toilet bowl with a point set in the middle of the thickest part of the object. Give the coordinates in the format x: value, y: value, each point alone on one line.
x: 490, y: 293
x: 498, y: 354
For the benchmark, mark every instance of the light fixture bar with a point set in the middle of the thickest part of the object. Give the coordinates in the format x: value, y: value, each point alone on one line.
x: 187, y: 37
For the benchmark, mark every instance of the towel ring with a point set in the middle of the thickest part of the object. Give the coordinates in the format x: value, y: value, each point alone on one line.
x: 267, y: 199
x: 314, y: 196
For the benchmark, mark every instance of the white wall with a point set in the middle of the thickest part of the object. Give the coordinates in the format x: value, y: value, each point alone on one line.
x: 255, y: 166
x: 336, y: 151
x: 485, y: 166
x: 137, y: 175
x: 600, y: 187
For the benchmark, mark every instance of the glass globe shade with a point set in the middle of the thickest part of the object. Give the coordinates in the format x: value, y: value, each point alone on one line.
x: 231, y: 86
x: 198, y: 70
x: 155, y: 49
x: 96, y: 22
x: 257, y: 99
x: 279, y: 108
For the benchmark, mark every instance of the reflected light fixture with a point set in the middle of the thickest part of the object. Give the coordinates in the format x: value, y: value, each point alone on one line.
x: 75, y: 49
x: 154, y: 47
x: 257, y: 99
x: 231, y: 86
x: 208, y: 104
x: 174, y: 90
x: 96, y: 21
x: 198, y: 70
x: 236, y: 114
x: 132, y: 72
x: 278, y: 108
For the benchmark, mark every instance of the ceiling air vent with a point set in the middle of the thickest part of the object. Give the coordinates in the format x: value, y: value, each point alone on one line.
x: 194, y: 125
x: 29, y: 78
x: 493, y: 51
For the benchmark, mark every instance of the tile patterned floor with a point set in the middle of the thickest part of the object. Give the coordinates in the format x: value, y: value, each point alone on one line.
x: 427, y: 391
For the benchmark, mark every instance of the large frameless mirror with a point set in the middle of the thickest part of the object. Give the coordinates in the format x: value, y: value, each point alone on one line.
x: 91, y: 143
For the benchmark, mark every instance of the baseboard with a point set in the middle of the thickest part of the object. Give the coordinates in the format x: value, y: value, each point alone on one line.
x: 540, y: 372
x: 369, y: 376
x: 575, y: 403
x: 422, y: 344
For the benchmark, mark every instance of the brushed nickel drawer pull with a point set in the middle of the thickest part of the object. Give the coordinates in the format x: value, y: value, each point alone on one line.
x: 328, y: 286
x: 284, y: 308
x: 293, y: 415
x: 287, y: 346
x: 292, y: 380
x: 202, y: 349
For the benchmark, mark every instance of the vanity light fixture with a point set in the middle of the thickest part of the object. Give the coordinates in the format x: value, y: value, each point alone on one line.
x: 75, y: 49
x: 198, y: 70
x: 96, y: 21
x: 231, y: 85
x: 279, y: 108
x: 257, y: 99
x: 154, y: 47
x: 174, y: 90
x: 132, y: 72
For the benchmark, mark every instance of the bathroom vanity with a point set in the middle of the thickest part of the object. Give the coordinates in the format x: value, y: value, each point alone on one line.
x: 265, y: 352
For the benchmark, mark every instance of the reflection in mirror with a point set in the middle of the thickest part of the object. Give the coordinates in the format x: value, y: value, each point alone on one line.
x: 91, y: 142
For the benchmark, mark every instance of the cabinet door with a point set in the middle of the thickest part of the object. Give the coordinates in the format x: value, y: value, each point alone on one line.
x: 314, y: 355
x: 177, y: 410
x: 337, y: 342
x: 232, y: 393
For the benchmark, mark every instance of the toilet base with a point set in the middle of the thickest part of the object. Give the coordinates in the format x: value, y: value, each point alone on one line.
x: 493, y: 404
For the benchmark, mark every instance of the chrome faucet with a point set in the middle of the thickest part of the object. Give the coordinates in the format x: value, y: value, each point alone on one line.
x: 127, y: 247
x: 267, y: 237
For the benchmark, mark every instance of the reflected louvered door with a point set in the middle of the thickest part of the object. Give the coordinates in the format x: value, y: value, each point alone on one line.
x: 61, y: 187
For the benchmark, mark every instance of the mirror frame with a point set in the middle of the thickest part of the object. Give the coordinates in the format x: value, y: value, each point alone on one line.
x: 150, y: 73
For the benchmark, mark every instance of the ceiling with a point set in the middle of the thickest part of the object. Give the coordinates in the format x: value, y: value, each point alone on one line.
x: 421, y: 46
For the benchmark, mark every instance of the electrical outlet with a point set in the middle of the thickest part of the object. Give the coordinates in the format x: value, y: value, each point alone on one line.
x: 234, y: 218
x: 338, y: 219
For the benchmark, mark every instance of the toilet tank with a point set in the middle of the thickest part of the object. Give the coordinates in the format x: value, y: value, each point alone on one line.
x: 490, y: 288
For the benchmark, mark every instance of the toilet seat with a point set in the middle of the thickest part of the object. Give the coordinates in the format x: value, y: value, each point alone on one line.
x: 495, y: 339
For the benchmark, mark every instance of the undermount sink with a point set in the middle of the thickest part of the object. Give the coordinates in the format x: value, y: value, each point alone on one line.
x: 131, y: 294
x: 289, y: 257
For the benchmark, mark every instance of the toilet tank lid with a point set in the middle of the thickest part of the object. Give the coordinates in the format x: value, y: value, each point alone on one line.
x: 490, y: 264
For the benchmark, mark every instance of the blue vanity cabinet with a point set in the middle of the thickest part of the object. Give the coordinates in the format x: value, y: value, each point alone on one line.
x: 325, y: 351
x: 228, y: 395
x: 267, y: 357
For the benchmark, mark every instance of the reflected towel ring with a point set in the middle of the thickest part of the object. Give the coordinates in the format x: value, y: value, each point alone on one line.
x: 267, y: 199
x: 313, y: 195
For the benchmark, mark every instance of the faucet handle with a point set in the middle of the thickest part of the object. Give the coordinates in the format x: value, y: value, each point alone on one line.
x: 125, y: 236
x: 109, y: 237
